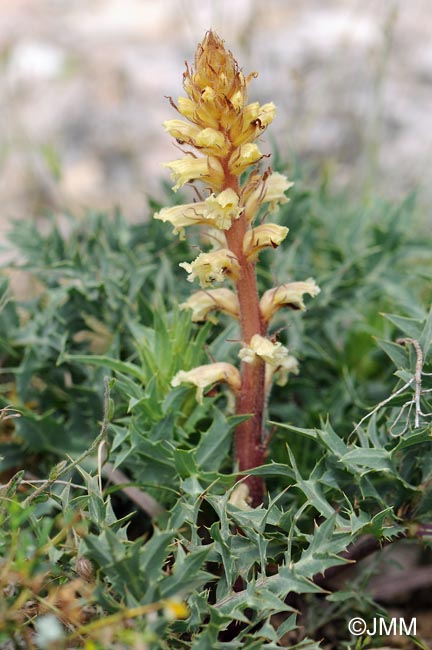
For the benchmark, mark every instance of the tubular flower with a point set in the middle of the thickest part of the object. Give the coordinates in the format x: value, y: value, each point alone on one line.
x: 213, y: 267
x: 287, y: 295
x: 223, y: 208
x: 190, y: 169
x: 245, y: 155
x: 203, y: 302
x: 204, y: 376
x: 216, y: 211
x: 268, y: 234
x: 262, y: 347
x: 182, y: 131
x: 280, y: 374
x: 212, y: 141
x: 207, y: 140
x: 186, y: 107
x: 274, y: 189
x: 253, y: 120
x: 269, y: 188
x: 181, y: 216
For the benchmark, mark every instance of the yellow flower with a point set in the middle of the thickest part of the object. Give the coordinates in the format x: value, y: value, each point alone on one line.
x: 245, y: 155
x: 182, y: 131
x: 287, y: 295
x: 213, y: 267
x: 208, y: 94
x: 175, y: 609
x: 279, y: 363
x: 266, y: 114
x: 274, y: 190
x: 204, y: 376
x: 269, y: 188
x: 251, y: 122
x: 223, y: 208
x: 186, y: 107
x: 203, y: 302
x: 212, y: 141
x: 217, y: 211
x: 268, y: 234
x: 189, y: 169
x: 251, y: 112
x: 262, y: 347
x: 289, y: 365
x: 207, y: 140
x: 181, y: 216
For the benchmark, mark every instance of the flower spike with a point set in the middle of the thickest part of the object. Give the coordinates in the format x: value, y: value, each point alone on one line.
x: 221, y: 127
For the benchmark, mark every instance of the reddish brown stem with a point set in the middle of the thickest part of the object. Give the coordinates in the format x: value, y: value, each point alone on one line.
x: 249, y: 448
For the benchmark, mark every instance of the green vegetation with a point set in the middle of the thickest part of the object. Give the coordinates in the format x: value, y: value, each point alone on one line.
x: 86, y: 363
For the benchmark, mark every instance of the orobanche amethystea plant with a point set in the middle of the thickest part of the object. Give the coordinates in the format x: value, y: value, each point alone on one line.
x: 221, y: 126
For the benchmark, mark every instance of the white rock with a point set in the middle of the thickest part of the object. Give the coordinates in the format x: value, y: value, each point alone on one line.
x: 35, y: 61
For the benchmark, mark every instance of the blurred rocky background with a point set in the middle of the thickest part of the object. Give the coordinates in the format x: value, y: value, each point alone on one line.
x: 83, y: 86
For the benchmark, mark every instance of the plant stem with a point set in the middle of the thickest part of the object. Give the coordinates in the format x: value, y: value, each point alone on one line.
x: 249, y: 449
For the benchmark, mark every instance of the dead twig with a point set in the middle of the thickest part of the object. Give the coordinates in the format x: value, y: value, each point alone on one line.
x: 143, y: 500
x: 414, y: 402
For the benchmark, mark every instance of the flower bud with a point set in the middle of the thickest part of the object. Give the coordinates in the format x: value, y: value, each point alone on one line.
x: 212, y: 141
